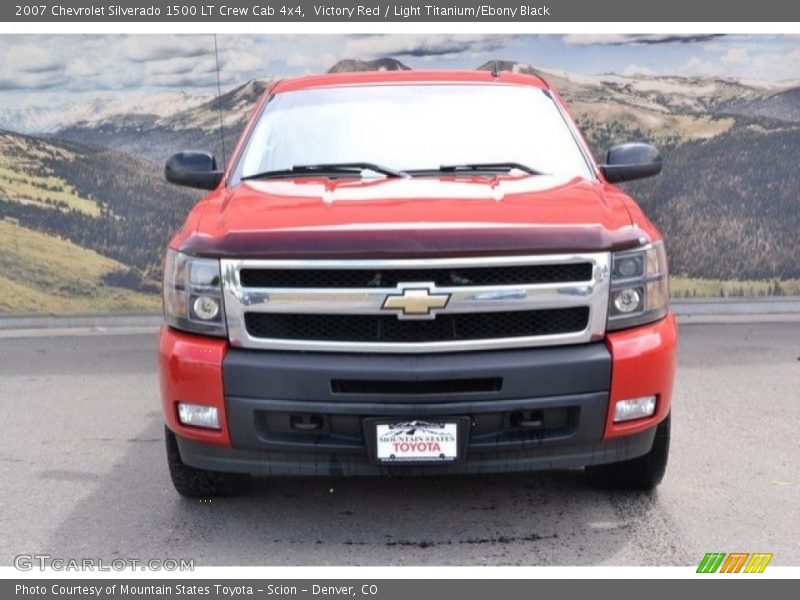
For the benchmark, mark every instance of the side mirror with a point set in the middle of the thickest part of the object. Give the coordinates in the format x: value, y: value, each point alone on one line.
x: 193, y: 169
x: 627, y: 162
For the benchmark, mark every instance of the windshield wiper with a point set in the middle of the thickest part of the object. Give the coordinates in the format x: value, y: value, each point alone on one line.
x: 497, y: 166
x: 352, y: 169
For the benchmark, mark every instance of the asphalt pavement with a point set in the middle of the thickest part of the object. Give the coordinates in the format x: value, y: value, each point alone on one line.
x: 83, y: 475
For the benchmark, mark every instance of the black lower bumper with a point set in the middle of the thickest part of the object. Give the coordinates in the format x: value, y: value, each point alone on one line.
x: 309, y: 414
x: 215, y: 458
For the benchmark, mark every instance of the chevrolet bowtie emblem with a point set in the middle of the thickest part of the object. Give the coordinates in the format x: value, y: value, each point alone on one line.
x: 416, y: 302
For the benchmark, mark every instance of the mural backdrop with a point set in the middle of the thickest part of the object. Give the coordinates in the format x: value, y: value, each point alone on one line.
x: 87, y: 121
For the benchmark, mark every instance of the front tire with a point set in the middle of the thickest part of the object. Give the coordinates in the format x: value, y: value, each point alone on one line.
x: 199, y: 483
x: 643, y: 473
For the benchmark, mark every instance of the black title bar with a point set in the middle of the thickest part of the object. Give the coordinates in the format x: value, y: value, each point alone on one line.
x: 376, y: 11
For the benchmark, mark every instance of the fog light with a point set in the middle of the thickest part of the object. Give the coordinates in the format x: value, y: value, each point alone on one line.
x: 634, y: 408
x: 205, y: 308
x: 198, y: 415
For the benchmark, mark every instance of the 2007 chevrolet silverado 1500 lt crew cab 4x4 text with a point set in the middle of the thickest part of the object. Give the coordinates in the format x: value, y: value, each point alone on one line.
x: 415, y: 273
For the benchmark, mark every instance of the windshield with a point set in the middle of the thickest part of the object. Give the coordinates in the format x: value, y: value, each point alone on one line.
x: 413, y: 128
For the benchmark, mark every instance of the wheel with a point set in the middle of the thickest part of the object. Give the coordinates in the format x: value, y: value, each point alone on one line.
x: 199, y: 483
x: 643, y: 473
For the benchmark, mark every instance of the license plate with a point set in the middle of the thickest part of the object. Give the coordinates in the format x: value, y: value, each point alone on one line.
x: 417, y: 441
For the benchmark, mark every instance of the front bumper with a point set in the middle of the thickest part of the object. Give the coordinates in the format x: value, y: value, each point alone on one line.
x: 289, y: 413
x: 234, y: 460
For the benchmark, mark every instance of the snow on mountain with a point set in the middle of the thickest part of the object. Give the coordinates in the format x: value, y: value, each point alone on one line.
x: 99, y: 110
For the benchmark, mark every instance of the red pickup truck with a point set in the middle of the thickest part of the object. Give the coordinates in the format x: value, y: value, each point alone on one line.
x: 415, y: 273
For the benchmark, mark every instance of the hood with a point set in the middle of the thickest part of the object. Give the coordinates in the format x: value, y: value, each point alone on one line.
x: 421, y: 216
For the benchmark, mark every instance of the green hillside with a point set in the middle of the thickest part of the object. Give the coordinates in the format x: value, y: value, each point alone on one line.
x: 111, y: 202
x: 25, y: 178
x: 741, y: 219
x: 39, y: 273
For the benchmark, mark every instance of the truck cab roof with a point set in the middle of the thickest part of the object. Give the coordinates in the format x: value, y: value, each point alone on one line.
x: 406, y: 77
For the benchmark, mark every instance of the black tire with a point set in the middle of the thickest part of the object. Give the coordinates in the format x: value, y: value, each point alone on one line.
x: 199, y: 483
x: 643, y: 473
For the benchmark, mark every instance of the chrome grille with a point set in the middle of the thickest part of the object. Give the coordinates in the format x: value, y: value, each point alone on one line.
x: 341, y: 305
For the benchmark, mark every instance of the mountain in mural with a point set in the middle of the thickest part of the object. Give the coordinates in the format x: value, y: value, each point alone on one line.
x: 728, y: 201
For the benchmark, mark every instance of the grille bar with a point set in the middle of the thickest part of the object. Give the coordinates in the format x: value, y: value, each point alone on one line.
x: 383, y: 278
x: 380, y: 328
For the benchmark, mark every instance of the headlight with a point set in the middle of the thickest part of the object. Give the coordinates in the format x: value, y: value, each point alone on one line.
x: 193, y: 294
x: 639, y: 287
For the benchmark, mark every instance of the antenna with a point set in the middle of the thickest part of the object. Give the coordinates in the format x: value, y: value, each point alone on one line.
x: 219, y: 105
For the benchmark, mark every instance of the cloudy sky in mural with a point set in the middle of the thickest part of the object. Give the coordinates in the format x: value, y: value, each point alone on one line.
x: 40, y: 71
